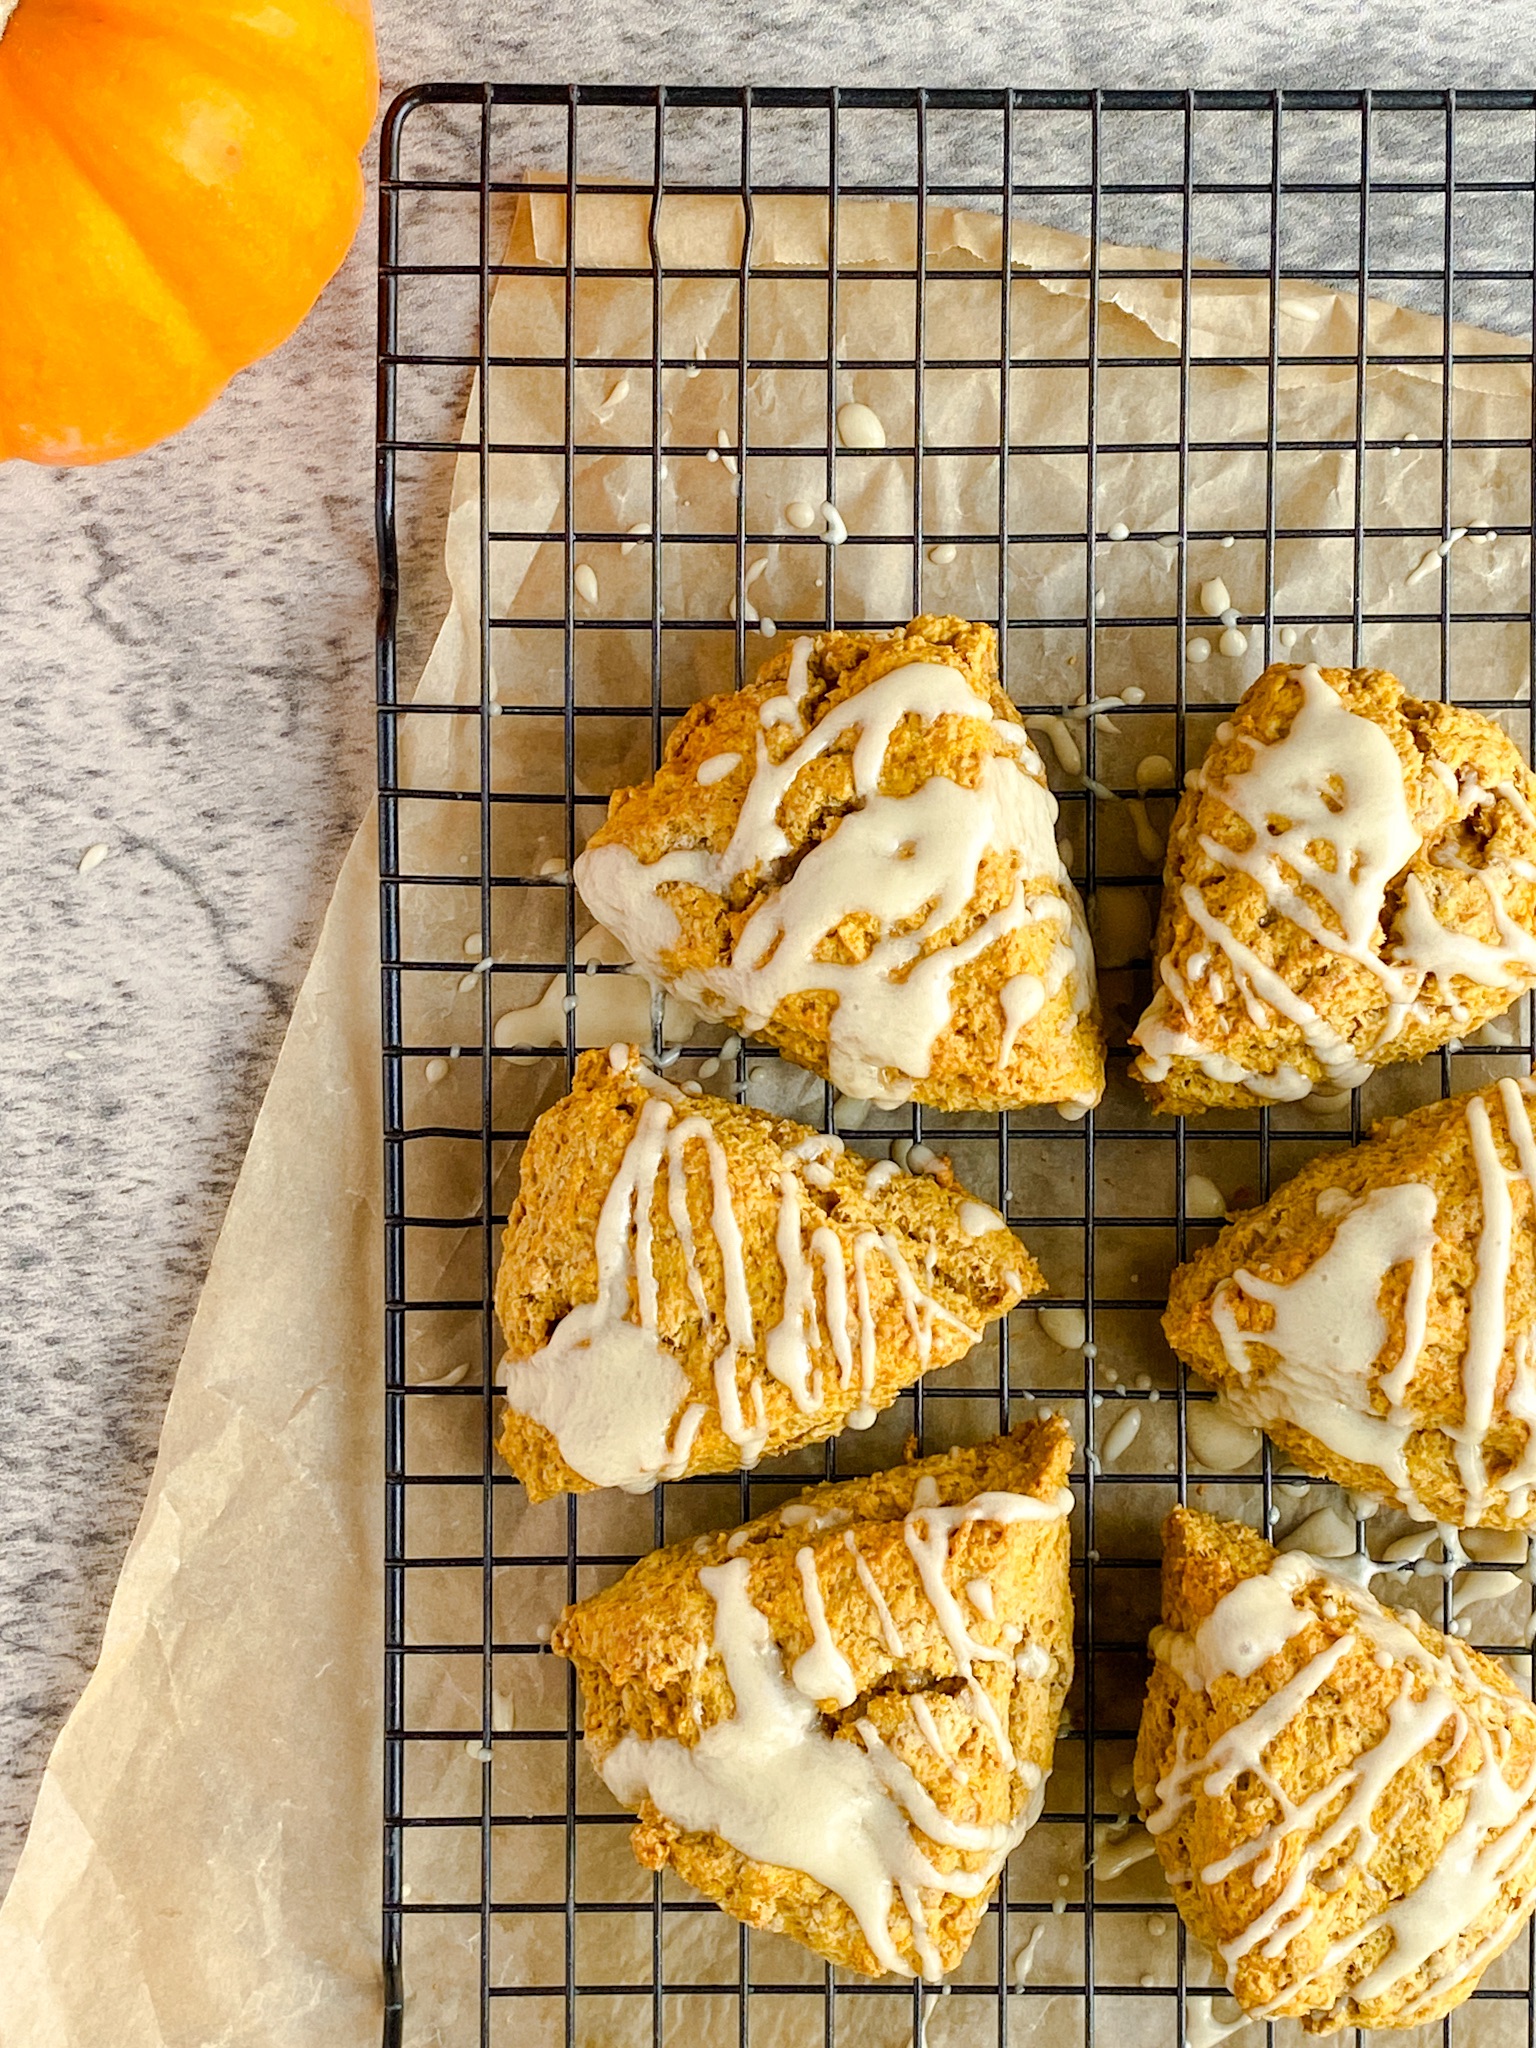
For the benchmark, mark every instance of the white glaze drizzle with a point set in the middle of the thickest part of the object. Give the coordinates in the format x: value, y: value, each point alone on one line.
x: 773, y: 1784
x: 770, y: 1781
x: 813, y: 1516
x: 1301, y: 1844
x: 567, y: 1384
x: 928, y: 1533
x: 1034, y: 1661
x: 604, y: 1384
x: 928, y: 1728
x: 1334, y: 782
x: 976, y: 1219
x: 1441, y: 955
x: 1204, y: 2028
x: 1487, y: 1332
x: 1484, y: 1350
x: 1327, y: 1334
x: 1263, y: 990
x: 912, y: 863
x: 1319, y: 1363
x: 822, y: 1672
x: 788, y: 1343
x: 1023, y: 998
x: 889, y: 1633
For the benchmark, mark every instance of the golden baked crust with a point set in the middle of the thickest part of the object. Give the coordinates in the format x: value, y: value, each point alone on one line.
x: 1336, y: 1912
x: 934, y: 1266
x: 687, y: 932
x: 1417, y: 1308
x: 644, y: 1653
x: 1469, y: 800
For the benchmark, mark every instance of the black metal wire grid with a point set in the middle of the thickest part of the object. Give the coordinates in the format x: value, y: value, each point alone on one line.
x: 502, y: 1909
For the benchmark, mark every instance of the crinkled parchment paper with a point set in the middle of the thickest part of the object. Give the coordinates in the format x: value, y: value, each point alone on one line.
x: 203, y: 1867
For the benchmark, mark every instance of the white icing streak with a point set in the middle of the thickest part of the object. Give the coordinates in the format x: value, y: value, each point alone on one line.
x: 1319, y: 1363
x: 907, y: 866
x: 1263, y: 990
x: 821, y: 1672
x: 1330, y: 826
x: 979, y: 1593
x: 789, y: 1342
x: 1487, y: 1335
x: 568, y: 1387
x: 606, y: 1386
x: 889, y: 1633
x: 774, y: 1784
x: 1343, y: 1820
x: 928, y: 1728
x: 1485, y: 1307
x: 976, y: 1219
x: 1334, y: 782
x: 928, y: 1533
x: 1023, y: 998
x: 1252, y: 1624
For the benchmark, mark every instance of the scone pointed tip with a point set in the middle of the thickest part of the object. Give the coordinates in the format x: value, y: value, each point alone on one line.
x: 1204, y: 1557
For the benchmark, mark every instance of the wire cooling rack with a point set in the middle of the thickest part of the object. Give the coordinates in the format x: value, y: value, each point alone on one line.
x: 511, y: 1913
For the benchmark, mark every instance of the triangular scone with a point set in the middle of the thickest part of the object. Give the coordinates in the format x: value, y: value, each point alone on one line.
x: 1377, y: 1315
x: 838, y: 1720
x: 1344, y: 1800
x: 687, y: 1284
x: 855, y: 858
x: 1351, y: 880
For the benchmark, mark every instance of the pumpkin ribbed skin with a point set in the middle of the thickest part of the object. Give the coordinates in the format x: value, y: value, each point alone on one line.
x: 178, y: 179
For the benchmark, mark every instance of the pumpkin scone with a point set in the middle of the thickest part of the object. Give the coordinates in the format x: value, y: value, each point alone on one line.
x: 855, y: 858
x: 687, y: 1284
x: 837, y: 1721
x: 1376, y: 1315
x: 1350, y: 880
x: 1343, y: 1799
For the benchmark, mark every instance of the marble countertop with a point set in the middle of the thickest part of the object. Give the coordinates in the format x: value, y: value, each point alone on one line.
x: 185, y: 661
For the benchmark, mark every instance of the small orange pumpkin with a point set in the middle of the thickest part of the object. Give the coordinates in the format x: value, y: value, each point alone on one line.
x: 178, y: 179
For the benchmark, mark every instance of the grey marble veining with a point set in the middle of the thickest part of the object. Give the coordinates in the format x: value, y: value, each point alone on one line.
x: 185, y: 670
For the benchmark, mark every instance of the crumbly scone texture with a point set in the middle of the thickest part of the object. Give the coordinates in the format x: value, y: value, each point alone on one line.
x: 641, y: 1651
x: 1451, y: 759
x: 1284, y: 1236
x: 1419, y: 1809
x: 549, y: 1262
x: 1059, y: 1054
